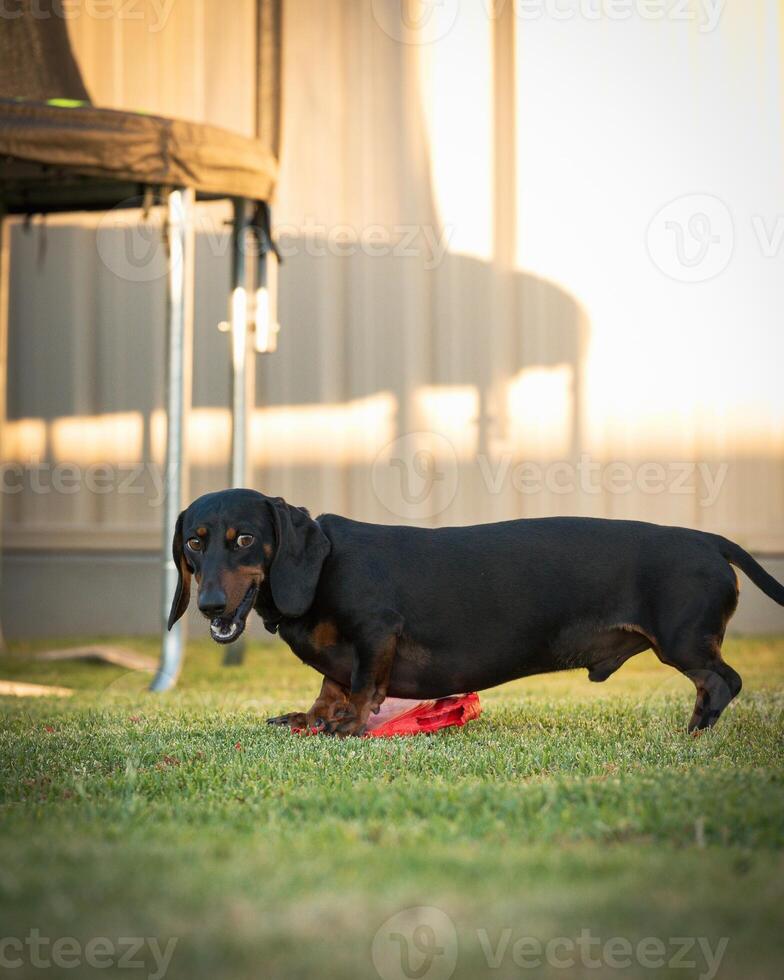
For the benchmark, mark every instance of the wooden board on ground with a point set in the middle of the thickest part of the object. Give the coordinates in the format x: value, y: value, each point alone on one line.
x: 118, y: 656
x: 18, y: 689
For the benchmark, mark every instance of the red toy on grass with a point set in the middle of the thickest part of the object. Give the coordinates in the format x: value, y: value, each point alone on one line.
x: 402, y: 716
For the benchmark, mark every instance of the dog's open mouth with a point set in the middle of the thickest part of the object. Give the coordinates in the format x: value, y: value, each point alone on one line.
x: 227, y: 629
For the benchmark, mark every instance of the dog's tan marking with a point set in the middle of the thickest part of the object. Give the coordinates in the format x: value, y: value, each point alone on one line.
x: 251, y: 571
x: 333, y: 696
x: 267, y: 548
x: 325, y: 634
x: 331, y: 700
x: 201, y: 531
x: 235, y: 583
x: 231, y: 533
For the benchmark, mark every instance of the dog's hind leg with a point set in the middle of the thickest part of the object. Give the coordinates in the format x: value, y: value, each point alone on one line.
x: 695, y: 650
x: 716, y: 682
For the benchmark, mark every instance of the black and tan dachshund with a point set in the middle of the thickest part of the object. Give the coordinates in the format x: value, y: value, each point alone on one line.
x: 419, y: 613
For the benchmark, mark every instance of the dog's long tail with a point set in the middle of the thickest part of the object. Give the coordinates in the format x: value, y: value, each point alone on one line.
x: 737, y: 556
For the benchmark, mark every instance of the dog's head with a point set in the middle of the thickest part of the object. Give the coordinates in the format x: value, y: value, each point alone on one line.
x: 235, y: 540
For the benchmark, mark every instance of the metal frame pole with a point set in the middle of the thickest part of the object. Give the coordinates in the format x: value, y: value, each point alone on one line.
x: 241, y: 364
x: 265, y: 307
x: 179, y: 351
x: 5, y: 299
x: 242, y: 375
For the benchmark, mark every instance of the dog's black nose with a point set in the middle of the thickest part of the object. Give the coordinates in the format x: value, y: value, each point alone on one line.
x: 212, y: 602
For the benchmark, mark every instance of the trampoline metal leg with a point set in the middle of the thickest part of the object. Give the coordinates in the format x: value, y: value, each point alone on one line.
x: 241, y: 366
x: 179, y: 347
x: 5, y: 290
x: 241, y: 371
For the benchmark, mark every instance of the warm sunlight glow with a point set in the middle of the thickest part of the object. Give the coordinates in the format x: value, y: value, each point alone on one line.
x: 158, y: 435
x: 680, y: 344
x: 342, y: 433
x: 349, y: 432
x: 209, y: 436
x: 452, y: 412
x: 539, y: 413
x: 457, y: 99
x: 24, y: 441
x: 84, y: 439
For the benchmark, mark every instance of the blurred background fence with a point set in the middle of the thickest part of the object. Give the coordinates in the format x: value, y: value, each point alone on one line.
x: 511, y: 287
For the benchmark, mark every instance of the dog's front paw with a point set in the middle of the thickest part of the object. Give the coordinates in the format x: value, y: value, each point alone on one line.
x: 344, y: 729
x: 294, y: 719
x: 345, y: 723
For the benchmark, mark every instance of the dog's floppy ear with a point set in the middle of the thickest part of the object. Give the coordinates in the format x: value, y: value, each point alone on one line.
x: 183, y: 594
x: 301, y: 549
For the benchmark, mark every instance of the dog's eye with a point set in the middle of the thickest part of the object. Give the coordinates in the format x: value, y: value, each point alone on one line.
x: 194, y: 544
x: 244, y: 540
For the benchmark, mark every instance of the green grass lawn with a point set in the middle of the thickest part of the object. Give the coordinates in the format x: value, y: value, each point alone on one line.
x: 571, y: 814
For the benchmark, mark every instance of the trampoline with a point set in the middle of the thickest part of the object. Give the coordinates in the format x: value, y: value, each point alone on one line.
x: 60, y: 153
